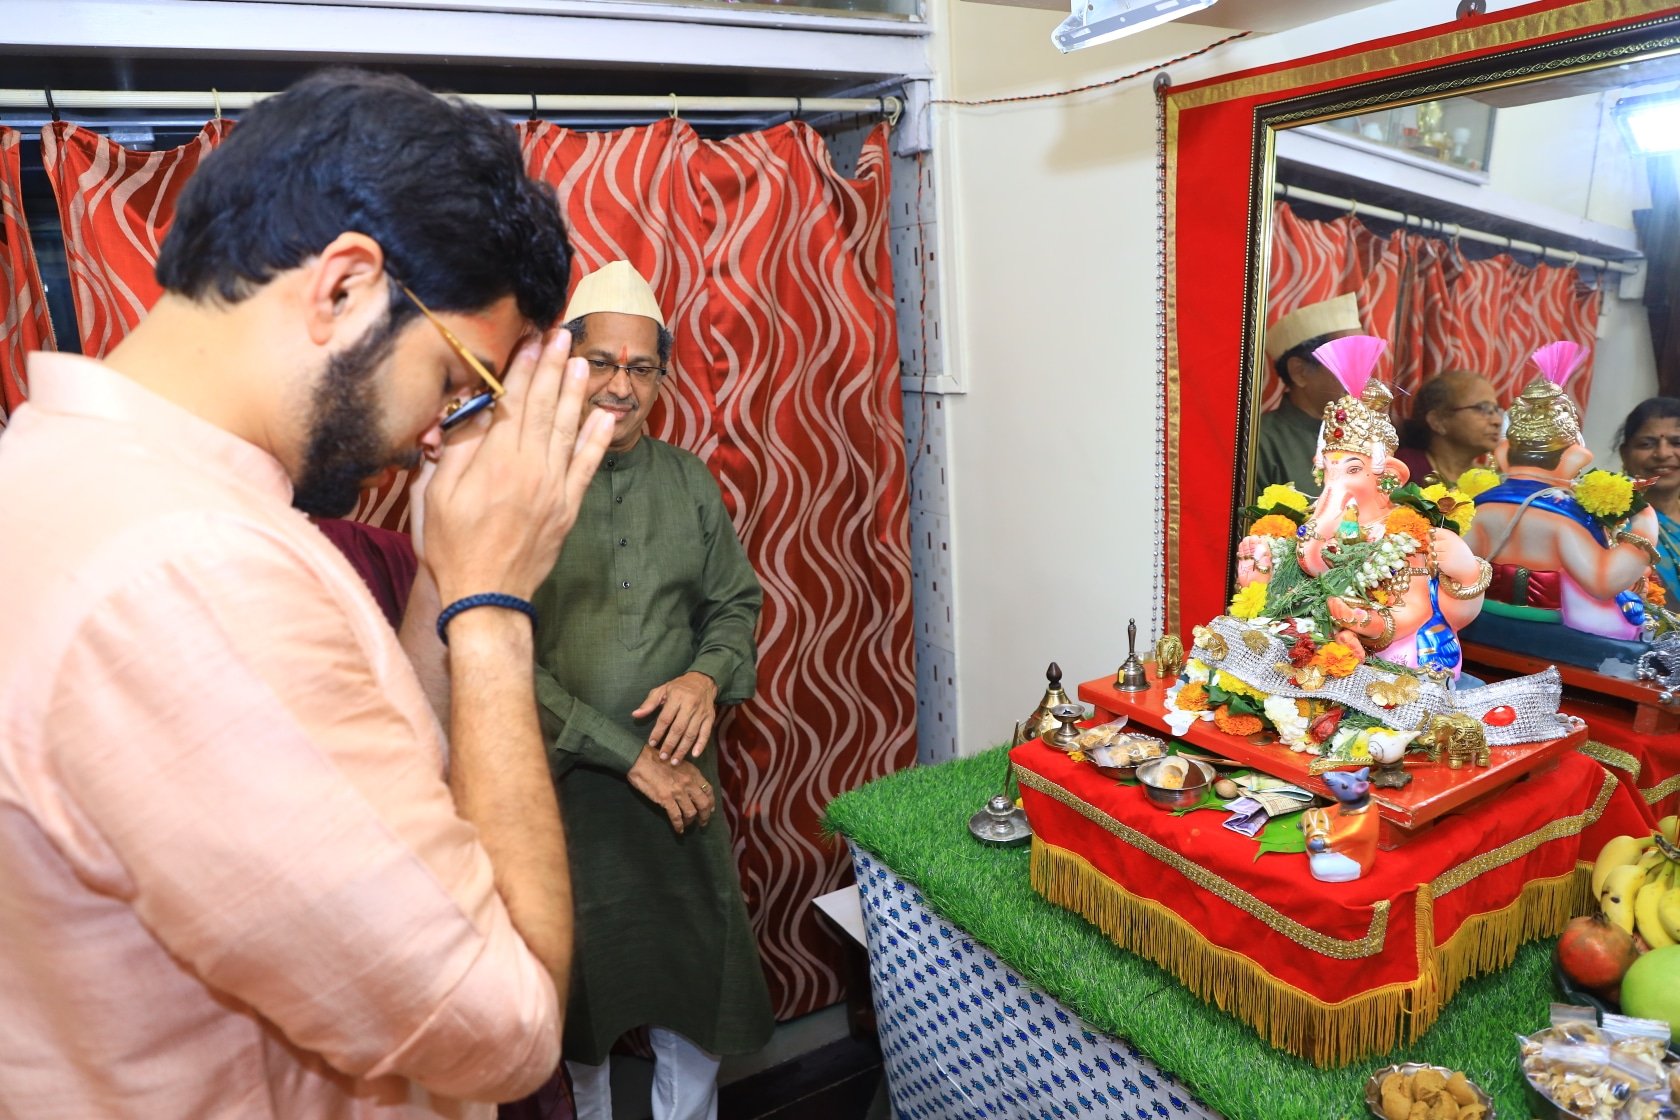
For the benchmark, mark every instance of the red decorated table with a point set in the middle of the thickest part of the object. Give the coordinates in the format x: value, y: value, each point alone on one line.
x: 1330, y: 972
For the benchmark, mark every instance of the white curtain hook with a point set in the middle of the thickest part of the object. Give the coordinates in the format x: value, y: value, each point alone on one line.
x: 674, y: 115
x: 216, y: 99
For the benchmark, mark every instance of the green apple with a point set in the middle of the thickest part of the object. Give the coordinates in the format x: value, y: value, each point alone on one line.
x: 1651, y: 988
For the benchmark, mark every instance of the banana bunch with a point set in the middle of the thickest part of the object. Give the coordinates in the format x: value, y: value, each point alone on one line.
x: 1637, y: 882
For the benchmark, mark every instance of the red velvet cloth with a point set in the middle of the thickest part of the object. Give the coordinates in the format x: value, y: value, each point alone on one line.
x: 1343, y: 911
x: 1655, y: 754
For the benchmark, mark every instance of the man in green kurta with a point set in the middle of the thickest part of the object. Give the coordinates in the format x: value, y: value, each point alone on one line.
x: 1289, y: 433
x: 648, y: 624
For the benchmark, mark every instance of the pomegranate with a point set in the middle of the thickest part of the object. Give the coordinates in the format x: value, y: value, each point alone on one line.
x: 1596, y: 952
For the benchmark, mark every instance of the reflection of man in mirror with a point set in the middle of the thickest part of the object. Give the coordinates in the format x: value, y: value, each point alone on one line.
x: 1289, y: 433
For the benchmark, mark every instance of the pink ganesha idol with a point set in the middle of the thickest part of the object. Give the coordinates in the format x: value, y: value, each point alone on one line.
x: 1416, y: 622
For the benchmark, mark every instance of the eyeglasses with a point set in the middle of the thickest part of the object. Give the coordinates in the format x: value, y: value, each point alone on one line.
x: 1486, y: 408
x: 644, y: 374
x: 463, y: 408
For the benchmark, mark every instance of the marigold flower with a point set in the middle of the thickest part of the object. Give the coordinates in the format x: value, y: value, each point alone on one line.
x: 1273, y: 525
x: 1477, y: 480
x: 1236, y: 687
x: 1192, y: 697
x: 1434, y: 493
x: 1284, y: 495
x: 1250, y: 601
x: 1407, y: 520
x: 1461, y: 516
x: 1604, y: 493
x: 1655, y: 593
x: 1236, y: 725
x: 1336, y: 660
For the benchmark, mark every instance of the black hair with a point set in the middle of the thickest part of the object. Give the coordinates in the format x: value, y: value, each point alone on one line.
x: 1647, y: 410
x: 1303, y: 350
x: 438, y: 182
x: 576, y: 326
x: 1432, y: 394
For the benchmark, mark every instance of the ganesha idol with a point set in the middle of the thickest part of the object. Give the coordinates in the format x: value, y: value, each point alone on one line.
x: 1553, y: 561
x: 1413, y: 615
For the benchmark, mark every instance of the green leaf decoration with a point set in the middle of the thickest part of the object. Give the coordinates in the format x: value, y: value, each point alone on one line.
x: 1283, y: 835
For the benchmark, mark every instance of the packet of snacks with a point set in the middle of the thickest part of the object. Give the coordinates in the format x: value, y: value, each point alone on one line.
x: 1616, y: 1070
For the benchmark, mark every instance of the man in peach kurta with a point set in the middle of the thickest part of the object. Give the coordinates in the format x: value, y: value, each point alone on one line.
x: 242, y: 871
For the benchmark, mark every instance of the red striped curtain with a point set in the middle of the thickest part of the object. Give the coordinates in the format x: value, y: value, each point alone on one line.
x: 1438, y: 310
x: 116, y: 206
x: 25, y: 326
x: 776, y: 274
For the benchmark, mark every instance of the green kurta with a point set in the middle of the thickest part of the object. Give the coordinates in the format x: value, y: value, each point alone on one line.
x: 1288, y: 442
x: 652, y: 582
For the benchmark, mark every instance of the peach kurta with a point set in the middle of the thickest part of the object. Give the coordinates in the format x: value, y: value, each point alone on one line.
x: 232, y: 879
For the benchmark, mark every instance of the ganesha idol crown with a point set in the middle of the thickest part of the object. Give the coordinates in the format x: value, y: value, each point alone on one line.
x: 1543, y: 418
x: 1357, y: 422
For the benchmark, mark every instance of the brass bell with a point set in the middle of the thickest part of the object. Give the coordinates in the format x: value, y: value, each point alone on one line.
x: 1131, y: 677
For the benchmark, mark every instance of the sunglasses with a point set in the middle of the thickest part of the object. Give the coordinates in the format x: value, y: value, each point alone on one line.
x: 462, y: 409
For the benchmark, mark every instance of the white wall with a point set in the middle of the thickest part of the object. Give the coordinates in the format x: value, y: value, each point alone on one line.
x: 1049, y: 220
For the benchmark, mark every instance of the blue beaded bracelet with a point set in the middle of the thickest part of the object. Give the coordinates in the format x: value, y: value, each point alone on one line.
x: 488, y: 599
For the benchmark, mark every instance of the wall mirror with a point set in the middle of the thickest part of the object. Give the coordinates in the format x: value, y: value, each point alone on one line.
x: 1475, y: 185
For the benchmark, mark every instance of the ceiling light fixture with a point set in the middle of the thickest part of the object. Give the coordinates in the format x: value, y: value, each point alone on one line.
x: 1099, y: 21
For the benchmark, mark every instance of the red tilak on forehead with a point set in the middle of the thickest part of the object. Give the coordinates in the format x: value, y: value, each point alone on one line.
x: 624, y: 354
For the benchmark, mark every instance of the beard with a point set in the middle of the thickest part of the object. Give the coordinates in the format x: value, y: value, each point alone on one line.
x: 346, y: 443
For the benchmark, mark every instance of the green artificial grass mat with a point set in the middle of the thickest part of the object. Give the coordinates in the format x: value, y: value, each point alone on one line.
x: 916, y: 821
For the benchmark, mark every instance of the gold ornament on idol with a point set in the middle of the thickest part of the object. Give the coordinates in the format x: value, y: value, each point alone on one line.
x: 1543, y: 419
x: 1359, y: 424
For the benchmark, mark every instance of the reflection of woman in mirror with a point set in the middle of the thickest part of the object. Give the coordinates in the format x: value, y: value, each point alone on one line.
x: 1455, y: 425
x: 1649, y: 444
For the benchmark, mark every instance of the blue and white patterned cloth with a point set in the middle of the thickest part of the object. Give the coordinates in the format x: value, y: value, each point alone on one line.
x: 965, y: 1037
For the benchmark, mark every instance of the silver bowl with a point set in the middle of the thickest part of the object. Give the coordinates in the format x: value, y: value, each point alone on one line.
x: 1195, y: 783
x: 1373, y: 1086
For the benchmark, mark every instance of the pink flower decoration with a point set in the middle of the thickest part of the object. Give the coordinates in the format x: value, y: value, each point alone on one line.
x: 1557, y: 360
x: 1351, y: 359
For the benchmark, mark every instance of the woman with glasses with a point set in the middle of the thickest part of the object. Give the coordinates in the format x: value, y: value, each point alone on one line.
x: 1455, y: 423
x: 1649, y: 445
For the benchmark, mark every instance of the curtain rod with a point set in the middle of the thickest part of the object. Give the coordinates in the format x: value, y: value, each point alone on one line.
x: 212, y: 101
x: 1568, y: 256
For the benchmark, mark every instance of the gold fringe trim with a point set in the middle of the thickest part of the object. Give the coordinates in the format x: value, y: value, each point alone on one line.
x: 1326, y: 1034
x: 1336, y: 948
x: 1488, y: 942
